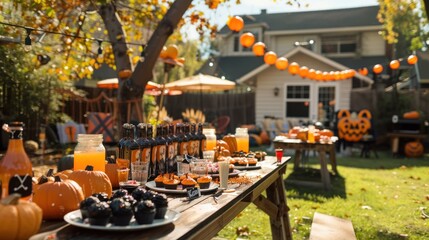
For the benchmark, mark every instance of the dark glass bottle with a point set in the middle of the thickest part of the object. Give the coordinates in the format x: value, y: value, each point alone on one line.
x: 195, y: 140
x: 152, y: 143
x: 128, y: 148
x: 143, y: 142
x: 169, y: 147
x: 201, y: 139
x: 15, y: 167
x: 161, y: 151
x: 172, y: 150
x: 182, y: 140
x: 190, y: 138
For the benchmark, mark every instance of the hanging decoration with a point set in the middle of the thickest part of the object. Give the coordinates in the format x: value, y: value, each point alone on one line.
x: 282, y: 63
x: 247, y: 39
x: 259, y: 49
x: 293, y: 68
x: 270, y: 58
x: 235, y: 23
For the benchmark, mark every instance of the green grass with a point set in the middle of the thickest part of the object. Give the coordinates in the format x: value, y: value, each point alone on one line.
x: 382, y: 197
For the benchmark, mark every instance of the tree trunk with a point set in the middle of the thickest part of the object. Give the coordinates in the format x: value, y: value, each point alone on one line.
x: 134, y: 87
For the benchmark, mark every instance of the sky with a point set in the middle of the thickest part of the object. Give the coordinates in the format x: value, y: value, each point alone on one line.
x: 220, y: 15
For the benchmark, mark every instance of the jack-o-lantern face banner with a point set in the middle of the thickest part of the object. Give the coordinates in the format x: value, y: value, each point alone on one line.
x: 351, y: 127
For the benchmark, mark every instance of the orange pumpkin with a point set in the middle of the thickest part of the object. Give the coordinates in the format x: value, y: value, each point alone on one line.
x: 231, y: 141
x: 64, y: 174
x: 302, y: 134
x: 414, y: 149
x: 92, y: 181
x: 58, y: 198
x: 411, y: 115
x: 20, y: 219
x: 351, y: 128
x: 222, y: 143
x: 326, y: 132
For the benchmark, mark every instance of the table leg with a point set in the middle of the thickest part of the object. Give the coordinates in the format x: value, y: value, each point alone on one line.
x: 280, y: 224
x: 395, y: 145
x: 324, y: 171
x: 333, y: 159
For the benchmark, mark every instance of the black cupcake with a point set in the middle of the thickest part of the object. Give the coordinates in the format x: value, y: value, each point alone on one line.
x: 129, y: 199
x: 119, y: 193
x: 144, y: 212
x: 121, y: 212
x: 149, y: 195
x: 84, y: 205
x: 103, y: 197
x: 99, y: 213
x: 161, y: 204
x: 138, y: 193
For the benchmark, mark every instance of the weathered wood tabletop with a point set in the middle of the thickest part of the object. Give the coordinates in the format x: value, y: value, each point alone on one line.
x: 203, y: 217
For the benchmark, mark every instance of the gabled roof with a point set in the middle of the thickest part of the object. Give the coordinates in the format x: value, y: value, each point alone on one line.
x: 350, y: 17
x: 310, y: 54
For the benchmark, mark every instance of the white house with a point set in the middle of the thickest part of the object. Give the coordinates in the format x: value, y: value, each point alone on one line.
x: 329, y: 40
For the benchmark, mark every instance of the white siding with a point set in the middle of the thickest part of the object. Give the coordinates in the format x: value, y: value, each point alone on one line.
x: 269, y: 105
x: 284, y: 44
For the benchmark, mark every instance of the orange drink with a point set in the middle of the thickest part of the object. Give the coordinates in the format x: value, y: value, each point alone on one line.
x: 243, y: 144
x: 95, y: 159
x: 210, y: 144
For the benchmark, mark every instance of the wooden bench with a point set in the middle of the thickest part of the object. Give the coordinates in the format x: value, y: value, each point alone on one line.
x: 325, y: 227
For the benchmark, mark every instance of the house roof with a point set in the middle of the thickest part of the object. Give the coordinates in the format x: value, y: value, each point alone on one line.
x: 350, y: 17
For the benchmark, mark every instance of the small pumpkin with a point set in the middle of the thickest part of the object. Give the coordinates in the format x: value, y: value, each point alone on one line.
x: 20, y: 219
x: 231, y: 141
x: 222, y: 143
x: 326, y: 132
x: 414, y: 149
x: 66, y: 162
x: 48, y: 177
x: 411, y: 115
x: 92, y: 181
x: 64, y: 174
x: 58, y: 198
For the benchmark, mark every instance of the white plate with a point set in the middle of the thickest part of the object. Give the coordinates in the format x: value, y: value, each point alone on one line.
x: 152, y: 185
x: 231, y: 174
x: 75, y: 219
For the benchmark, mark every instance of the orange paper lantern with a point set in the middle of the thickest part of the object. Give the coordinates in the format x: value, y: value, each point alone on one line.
x: 235, y: 24
x: 172, y: 51
x: 303, y: 71
x: 282, y: 63
x: 412, y: 59
x: 294, y: 68
x: 247, y: 39
x: 325, y: 76
x: 311, y: 74
x: 270, y: 58
x: 259, y: 49
x: 318, y: 75
x: 363, y: 71
x: 394, y: 64
x: 377, y: 69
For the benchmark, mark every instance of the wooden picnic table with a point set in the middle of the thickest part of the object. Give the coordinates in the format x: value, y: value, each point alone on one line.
x: 203, y: 217
x: 321, y: 148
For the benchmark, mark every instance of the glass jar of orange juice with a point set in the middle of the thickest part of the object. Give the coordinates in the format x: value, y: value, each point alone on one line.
x: 242, y: 137
x: 89, y: 151
x: 210, y: 138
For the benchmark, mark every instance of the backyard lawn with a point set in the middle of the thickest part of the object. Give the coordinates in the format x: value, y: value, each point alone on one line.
x: 385, y: 198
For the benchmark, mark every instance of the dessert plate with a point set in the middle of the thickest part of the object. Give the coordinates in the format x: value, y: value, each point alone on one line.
x: 151, y: 185
x: 75, y: 219
x: 248, y: 167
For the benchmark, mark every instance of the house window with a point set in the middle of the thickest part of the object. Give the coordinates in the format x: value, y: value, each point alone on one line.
x: 339, y: 44
x: 236, y: 43
x: 297, y: 101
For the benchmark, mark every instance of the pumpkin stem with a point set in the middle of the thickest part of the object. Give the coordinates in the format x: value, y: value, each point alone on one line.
x: 50, y: 172
x: 43, y: 179
x: 12, y: 199
x: 57, y: 178
x: 89, y: 168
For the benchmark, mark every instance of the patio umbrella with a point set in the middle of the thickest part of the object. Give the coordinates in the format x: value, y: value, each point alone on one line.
x: 112, y: 83
x: 201, y: 82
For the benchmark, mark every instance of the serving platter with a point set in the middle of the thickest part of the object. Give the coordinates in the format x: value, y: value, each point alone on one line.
x: 151, y: 185
x: 75, y: 219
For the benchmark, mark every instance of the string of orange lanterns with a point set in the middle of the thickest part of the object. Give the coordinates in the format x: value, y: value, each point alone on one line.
x: 259, y: 49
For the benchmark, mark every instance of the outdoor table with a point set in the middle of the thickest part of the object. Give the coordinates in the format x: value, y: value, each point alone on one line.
x: 321, y: 148
x: 203, y: 218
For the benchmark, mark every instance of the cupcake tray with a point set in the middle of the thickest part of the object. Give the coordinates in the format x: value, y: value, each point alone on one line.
x: 75, y: 218
x: 151, y: 185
